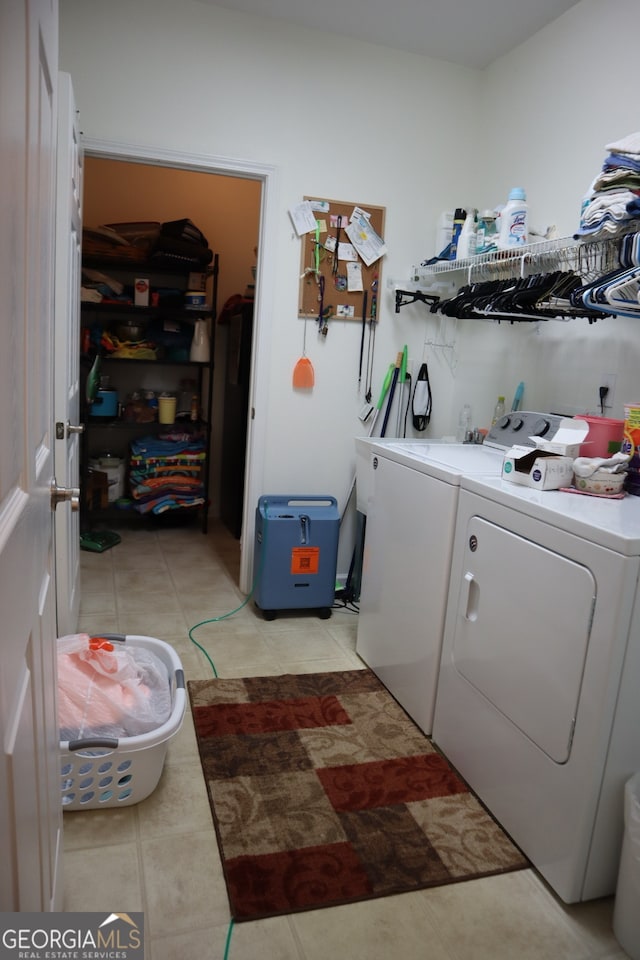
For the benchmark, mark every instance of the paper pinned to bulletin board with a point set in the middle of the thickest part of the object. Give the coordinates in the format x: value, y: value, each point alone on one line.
x: 341, y: 258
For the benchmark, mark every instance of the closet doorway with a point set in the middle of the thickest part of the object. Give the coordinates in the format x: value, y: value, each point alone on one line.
x: 229, y: 203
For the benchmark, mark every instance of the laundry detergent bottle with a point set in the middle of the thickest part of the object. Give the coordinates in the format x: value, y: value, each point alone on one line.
x: 467, y: 238
x: 458, y: 222
x: 514, y: 221
x: 487, y: 232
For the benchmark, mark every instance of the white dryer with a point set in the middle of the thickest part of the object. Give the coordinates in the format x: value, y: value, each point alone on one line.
x: 409, y: 492
x: 537, y: 703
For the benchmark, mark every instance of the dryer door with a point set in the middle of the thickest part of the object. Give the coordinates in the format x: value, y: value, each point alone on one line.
x: 522, y: 632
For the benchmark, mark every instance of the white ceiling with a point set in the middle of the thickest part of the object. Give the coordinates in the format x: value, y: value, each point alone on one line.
x: 472, y: 33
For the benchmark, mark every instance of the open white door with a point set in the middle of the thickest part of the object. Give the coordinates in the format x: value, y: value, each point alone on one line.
x: 30, y: 806
x: 67, y: 352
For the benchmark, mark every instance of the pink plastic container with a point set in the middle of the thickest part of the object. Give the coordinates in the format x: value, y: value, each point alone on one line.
x: 604, y: 437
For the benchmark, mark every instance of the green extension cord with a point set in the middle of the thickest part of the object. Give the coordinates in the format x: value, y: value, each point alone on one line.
x: 228, y: 943
x: 215, y: 673
x: 225, y: 616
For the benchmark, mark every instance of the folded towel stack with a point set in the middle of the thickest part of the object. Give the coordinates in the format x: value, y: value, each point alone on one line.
x: 613, y: 199
x: 166, y: 473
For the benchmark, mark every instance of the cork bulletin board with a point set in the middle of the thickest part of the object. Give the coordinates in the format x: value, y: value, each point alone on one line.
x: 349, y: 285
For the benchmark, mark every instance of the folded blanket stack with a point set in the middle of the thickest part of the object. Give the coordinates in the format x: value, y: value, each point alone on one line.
x: 166, y: 472
x: 613, y: 199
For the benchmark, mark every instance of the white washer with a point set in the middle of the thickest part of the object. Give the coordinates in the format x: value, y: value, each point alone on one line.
x: 538, y: 704
x: 409, y: 491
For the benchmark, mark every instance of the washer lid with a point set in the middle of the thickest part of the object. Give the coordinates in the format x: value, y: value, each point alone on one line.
x: 446, y: 461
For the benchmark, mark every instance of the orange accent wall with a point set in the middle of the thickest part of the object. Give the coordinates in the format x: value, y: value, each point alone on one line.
x: 225, y: 209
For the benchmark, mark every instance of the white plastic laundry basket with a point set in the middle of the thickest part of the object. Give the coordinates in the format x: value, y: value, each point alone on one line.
x: 109, y: 772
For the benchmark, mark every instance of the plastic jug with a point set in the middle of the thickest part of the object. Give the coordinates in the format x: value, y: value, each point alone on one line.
x: 513, y: 221
x: 464, y: 424
x: 200, y: 346
x: 487, y: 232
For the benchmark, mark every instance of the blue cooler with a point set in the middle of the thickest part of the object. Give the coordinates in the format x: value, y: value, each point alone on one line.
x: 296, y: 553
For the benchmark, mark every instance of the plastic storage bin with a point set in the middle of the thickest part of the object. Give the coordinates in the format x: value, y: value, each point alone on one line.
x: 604, y: 438
x: 295, y: 556
x: 105, y: 772
x: 626, y: 911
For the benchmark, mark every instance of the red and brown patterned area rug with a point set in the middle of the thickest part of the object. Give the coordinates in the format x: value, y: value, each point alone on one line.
x: 324, y: 792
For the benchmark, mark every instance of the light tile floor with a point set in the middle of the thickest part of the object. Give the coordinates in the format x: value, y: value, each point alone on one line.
x: 160, y: 856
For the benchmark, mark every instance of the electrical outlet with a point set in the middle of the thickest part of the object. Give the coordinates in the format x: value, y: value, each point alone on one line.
x: 608, y: 380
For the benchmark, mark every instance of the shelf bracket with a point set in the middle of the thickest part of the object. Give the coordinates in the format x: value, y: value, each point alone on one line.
x: 406, y: 297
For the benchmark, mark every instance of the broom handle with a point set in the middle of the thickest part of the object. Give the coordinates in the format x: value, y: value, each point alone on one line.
x: 392, y: 390
x: 383, y: 393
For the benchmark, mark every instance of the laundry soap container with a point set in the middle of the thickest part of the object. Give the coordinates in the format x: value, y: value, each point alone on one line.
x: 295, y: 555
x: 513, y: 221
x: 114, y: 468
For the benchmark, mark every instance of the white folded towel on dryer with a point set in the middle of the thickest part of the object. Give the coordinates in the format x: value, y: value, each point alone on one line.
x: 587, y: 466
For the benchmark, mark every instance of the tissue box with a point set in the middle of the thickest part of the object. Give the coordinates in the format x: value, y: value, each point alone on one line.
x: 567, y: 439
x: 550, y: 464
x: 542, y: 469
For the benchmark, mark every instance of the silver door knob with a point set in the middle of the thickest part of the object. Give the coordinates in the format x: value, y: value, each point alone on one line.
x: 61, y: 494
x: 63, y: 432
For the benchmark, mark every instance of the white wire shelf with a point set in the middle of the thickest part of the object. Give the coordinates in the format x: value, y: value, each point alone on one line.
x: 585, y: 260
x: 557, y: 247
x: 584, y: 255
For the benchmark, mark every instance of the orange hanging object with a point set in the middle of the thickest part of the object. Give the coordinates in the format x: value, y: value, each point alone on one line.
x: 303, y: 374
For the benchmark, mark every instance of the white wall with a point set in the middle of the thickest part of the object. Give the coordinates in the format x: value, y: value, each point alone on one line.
x: 338, y: 119
x: 550, y: 108
x: 352, y: 121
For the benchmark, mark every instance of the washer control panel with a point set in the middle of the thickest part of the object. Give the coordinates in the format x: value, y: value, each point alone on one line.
x: 518, y: 426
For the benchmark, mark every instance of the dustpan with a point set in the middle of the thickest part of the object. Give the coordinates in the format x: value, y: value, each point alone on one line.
x: 303, y: 373
x: 99, y: 540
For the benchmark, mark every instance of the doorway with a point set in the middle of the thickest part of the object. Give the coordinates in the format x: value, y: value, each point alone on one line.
x: 234, y: 215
